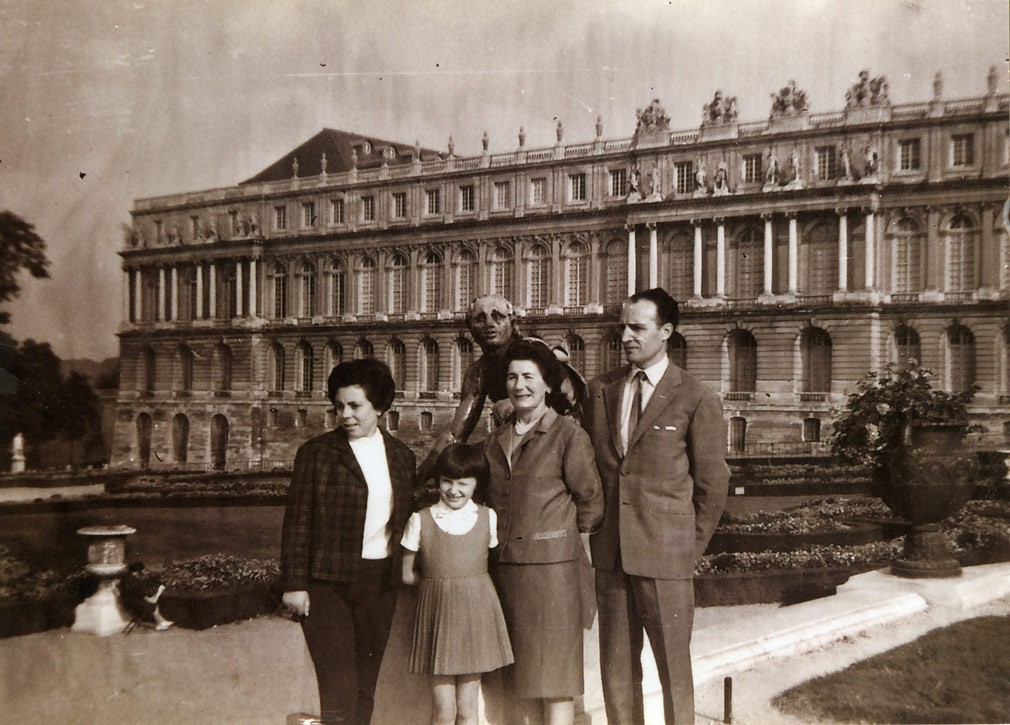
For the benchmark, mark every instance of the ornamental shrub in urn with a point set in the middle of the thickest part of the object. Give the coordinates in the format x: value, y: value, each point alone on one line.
x: 912, y: 436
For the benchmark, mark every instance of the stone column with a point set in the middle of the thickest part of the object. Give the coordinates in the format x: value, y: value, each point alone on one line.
x: 720, y: 257
x: 138, y: 309
x: 699, y: 255
x: 126, y: 296
x: 632, y: 260
x: 843, y: 249
x: 175, y: 293
x: 239, y: 297
x: 198, y: 312
x: 653, y: 255
x: 159, y: 314
x: 252, y: 286
x: 212, y: 291
x: 871, y: 243
x: 769, y: 262
x: 793, y: 254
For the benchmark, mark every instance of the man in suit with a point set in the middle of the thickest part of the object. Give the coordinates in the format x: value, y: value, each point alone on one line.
x: 660, y: 441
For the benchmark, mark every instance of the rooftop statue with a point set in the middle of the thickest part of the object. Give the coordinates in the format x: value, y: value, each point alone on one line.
x: 789, y: 101
x: 720, y: 110
x: 652, y: 119
x: 867, y: 92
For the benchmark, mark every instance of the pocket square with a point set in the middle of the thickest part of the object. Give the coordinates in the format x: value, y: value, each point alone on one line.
x: 665, y: 427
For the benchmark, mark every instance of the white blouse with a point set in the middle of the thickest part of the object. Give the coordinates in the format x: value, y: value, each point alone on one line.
x: 371, y: 455
x: 452, y: 521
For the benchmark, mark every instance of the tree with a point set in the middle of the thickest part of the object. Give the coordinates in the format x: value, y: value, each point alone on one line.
x: 20, y: 248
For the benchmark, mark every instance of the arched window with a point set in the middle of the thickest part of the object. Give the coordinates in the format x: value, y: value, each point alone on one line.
x: 738, y: 434
x: 397, y: 275
x: 576, y: 353
x: 431, y: 283
x: 185, y: 358
x: 464, y: 359
x: 334, y: 355
x: 677, y: 265
x: 815, y: 350
x: 746, y: 258
x: 366, y: 286
x: 907, y: 349
x: 616, y: 272
x: 611, y: 353
x: 277, y: 366
x: 906, y: 257
x: 396, y: 358
x: 223, y: 356
x: 363, y: 349
x: 538, y: 276
x: 742, y: 362
x: 148, y: 370
x: 960, y: 358
x: 180, y: 438
x: 576, y: 274
x: 501, y: 273
x: 338, y: 288
x: 307, y: 290
x: 279, y: 282
x: 306, y: 367
x: 426, y: 420
x: 392, y: 421
x: 962, y: 239
x: 218, y: 442
x: 429, y: 365
x: 466, y: 289
x: 676, y: 350
x: 819, y: 260
x: 144, y: 427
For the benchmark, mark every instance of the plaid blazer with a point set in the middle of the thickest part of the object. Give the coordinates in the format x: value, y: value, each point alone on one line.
x: 324, y: 520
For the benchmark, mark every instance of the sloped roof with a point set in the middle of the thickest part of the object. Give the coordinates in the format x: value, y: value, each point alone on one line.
x: 338, y: 147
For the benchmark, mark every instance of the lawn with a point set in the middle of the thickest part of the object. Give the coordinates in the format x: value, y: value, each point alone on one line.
x: 957, y: 674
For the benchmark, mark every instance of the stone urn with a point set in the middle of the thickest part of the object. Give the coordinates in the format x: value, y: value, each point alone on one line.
x: 929, y: 479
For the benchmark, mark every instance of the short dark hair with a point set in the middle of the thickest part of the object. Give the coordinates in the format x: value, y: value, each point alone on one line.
x: 460, y: 460
x: 667, y: 310
x: 370, y: 374
x: 543, y: 357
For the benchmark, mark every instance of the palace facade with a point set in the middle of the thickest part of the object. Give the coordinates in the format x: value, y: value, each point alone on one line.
x: 806, y: 249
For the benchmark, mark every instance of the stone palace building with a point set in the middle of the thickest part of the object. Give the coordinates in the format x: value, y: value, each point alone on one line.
x: 805, y: 248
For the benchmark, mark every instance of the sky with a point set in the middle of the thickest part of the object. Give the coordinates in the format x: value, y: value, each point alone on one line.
x: 106, y: 102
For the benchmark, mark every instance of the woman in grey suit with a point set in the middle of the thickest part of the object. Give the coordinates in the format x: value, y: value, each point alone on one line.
x: 545, y: 490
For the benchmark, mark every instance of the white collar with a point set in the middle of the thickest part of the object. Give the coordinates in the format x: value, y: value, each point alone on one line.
x: 440, y: 510
x: 654, y: 372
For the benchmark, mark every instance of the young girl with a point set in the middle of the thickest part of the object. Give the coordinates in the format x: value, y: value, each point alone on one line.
x: 459, y: 629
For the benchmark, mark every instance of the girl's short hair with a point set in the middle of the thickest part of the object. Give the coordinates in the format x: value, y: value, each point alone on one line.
x: 460, y: 460
x: 371, y: 375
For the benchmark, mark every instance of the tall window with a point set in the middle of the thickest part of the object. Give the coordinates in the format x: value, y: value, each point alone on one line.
x: 538, y: 192
x: 280, y: 218
x: 334, y: 356
x: 366, y: 286
x: 538, y: 274
x: 960, y: 358
x: 502, y: 195
x: 752, y: 172
x: 433, y: 201
x: 307, y: 284
x: 577, y: 187
x: 431, y: 283
x: 277, y: 359
x: 746, y: 254
x: 363, y: 349
x: 576, y: 274
x: 223, y: 358
x: 961, y: 239
x: 429, y: 365
x: 501, y: 272
x: 819, y: 260
x: 738, y: 434
x: 185, y: 358
x: 466, y: 198
x: 308, y: 214
x: 619, y: 182
x: 464, y: 359
x: 677, y: 268
x: 676, y: 350
x: 906, y: 262
x: 148, y: 372
x: 685, y: 177
x: 397, y: 275
x: 368, y: 208
x: 616, y: 272
x: 962, y: 149
x: 466, y: 266
x: 396, y: 358
x: 815, y: 351
x: 400, y: 205
x: 611, y: 352
x: 742, y: 362
x: 907, y: 349
x: 228, y: 302
x: 336, y: 211
x: 909, y: 154
x: 306, y: 367
x: 576, y: 353
x: 825, y: 159
x: 338, y: 288
x: 187, y: 294
x: 279, y: 280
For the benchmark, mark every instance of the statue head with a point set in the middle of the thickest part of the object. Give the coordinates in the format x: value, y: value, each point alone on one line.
x: 491, y: 321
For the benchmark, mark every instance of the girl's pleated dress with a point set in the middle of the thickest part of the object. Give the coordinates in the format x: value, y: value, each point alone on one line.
x: 459, y: 628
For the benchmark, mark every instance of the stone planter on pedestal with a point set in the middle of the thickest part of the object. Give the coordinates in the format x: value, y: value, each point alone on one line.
x: 102, y: 613
x: 930, y: 479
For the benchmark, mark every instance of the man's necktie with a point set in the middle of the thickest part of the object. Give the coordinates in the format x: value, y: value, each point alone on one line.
x: 636, y: 403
